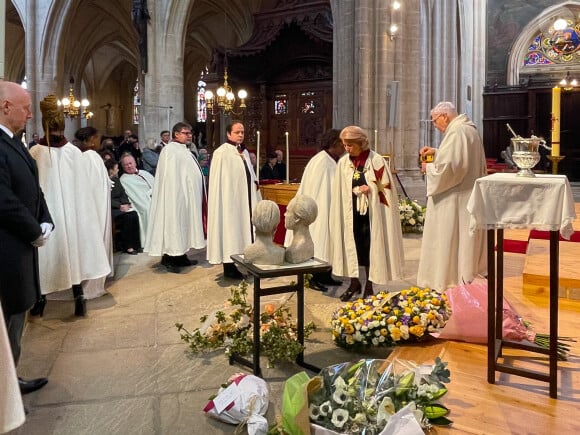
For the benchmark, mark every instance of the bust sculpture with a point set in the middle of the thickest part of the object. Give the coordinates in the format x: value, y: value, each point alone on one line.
x: 265, y: 217
x: 300, y: 213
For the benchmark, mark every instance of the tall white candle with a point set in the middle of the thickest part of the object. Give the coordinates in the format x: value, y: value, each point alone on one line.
x: 287, y: 160
x: 376, y: 141
x: 258, y: 156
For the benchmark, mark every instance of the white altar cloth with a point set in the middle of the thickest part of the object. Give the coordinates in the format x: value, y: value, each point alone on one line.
x: 11, y: 407
x: 504, y: 200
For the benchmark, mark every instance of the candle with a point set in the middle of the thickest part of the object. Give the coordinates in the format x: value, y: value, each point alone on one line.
x: 258, y: 155
x: 556, y: 92
x: 287, y: 160
x: 376, y: 140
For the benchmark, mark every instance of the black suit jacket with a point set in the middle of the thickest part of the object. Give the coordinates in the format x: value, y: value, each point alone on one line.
x: 22, y: 209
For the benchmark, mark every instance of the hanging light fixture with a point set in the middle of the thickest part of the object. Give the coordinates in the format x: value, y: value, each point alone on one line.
x: 73, y: 108
x: 567, y: 83
x: 224, y: 100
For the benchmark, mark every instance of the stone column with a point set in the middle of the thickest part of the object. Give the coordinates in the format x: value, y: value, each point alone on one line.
x: 162, y: 92
x: 2, y: 37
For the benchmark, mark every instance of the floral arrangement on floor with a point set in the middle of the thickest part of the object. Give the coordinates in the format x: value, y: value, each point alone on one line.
x: 387, y: 319
x: 362, y: 398
x: 231, y: 328
x: 412, y: 215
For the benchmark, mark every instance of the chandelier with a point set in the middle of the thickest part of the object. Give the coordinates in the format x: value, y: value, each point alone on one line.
x: 567, y: 83
x: 224, y: 101
x: 73, y: 108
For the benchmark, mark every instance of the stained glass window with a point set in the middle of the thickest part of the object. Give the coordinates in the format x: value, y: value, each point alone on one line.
x: 307, y: 103
x: 553, y: 46
x: 136, y: 103
x: 281, y: 104
x: 201, y: 105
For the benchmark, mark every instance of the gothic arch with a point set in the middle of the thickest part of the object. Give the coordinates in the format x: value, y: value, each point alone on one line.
x: 520, y: 46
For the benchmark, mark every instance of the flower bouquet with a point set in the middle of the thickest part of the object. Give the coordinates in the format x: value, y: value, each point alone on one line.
x: 231, y: 328
x: 412, y: 215
x: 242, y: 400
x: 387, y: 319
x: 363, y: 398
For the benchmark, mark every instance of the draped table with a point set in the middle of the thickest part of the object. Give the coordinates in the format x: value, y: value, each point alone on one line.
x: 11, y: 407
x: 544, y: 202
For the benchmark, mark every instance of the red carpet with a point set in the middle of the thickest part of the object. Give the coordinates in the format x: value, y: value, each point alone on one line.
x: 520, y: 246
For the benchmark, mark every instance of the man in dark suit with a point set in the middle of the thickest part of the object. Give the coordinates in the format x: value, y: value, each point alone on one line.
x: 25, y: 222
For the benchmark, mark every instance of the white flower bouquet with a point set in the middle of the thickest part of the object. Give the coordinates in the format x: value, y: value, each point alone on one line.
x: 412, y: 215
x: 361, y: 398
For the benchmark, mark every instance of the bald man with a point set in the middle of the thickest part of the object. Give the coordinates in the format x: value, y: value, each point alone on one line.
x: 25, y: 222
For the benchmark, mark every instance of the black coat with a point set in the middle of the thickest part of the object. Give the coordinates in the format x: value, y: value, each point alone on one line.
x: 22, y: 209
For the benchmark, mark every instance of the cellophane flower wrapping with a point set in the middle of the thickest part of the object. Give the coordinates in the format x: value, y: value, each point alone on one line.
x: 249, y: 407
x: 361, y: 398
x: 469, y: 319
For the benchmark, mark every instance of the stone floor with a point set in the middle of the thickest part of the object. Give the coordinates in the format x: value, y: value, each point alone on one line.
x: 124, y: 369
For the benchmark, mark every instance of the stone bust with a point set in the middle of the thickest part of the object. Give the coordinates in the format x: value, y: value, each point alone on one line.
x: 300, y: 213
x: 265, y: 217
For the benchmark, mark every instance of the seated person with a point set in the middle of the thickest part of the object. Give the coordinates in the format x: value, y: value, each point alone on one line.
x: 126, y: 220
x: 268, y: 171
x: 150, y: 156
x: 139, y: 187
x: 300, y: 213
x: 265, y: 217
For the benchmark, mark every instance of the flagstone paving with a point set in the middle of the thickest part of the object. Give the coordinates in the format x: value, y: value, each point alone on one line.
x: 124, y: 369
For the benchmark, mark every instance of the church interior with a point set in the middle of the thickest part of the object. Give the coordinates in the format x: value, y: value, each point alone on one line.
x: 306, y: 66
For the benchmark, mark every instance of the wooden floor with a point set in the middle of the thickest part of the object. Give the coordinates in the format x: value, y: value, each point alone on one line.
x: 513, y: 405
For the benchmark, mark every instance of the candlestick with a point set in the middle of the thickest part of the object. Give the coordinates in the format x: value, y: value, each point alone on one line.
x: 258, y: 155
x: 287, y: 160
x: 556, y: 92
x: 376, y: 140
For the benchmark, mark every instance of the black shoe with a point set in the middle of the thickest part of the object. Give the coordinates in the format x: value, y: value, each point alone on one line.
x: 326, y: 279
x: 353, y: 290
x: 38, y: 308
x: 31, y: 385
x: 315, y: 285
x: 80, y: 306
x: 231, y: 271
x: 184, y: 261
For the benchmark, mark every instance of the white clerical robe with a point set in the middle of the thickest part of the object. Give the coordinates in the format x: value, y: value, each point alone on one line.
x: 76, y: 250
x: 229, y: 225
x: 317, y: 184
x: 11, y: 407
x: 175, y: 216
x: 386, y: 251
x: 449, y: 254
x: 100, y: 197
x: 139, y: 189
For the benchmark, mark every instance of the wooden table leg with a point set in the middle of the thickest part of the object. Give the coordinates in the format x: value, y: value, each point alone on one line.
x: 554, y: 290
x: 491, y: 306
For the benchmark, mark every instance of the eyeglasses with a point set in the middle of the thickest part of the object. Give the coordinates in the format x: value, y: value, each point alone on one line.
x: 437, y: 117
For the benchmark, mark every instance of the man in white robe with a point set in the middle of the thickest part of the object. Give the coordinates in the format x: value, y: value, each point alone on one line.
x: 450, y: 255
x: 176, y: 214
x: 139, y: 188
x: 232, y: 198
x: 317, y: 184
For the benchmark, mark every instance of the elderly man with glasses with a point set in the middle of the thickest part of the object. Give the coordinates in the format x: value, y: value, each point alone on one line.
x: 450, y: 255
x: 177, y: 215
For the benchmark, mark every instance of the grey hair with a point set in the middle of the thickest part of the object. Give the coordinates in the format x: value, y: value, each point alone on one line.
x: 444, y: 108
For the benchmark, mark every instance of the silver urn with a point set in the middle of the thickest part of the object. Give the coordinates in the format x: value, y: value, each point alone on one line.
x: 525, y: 154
